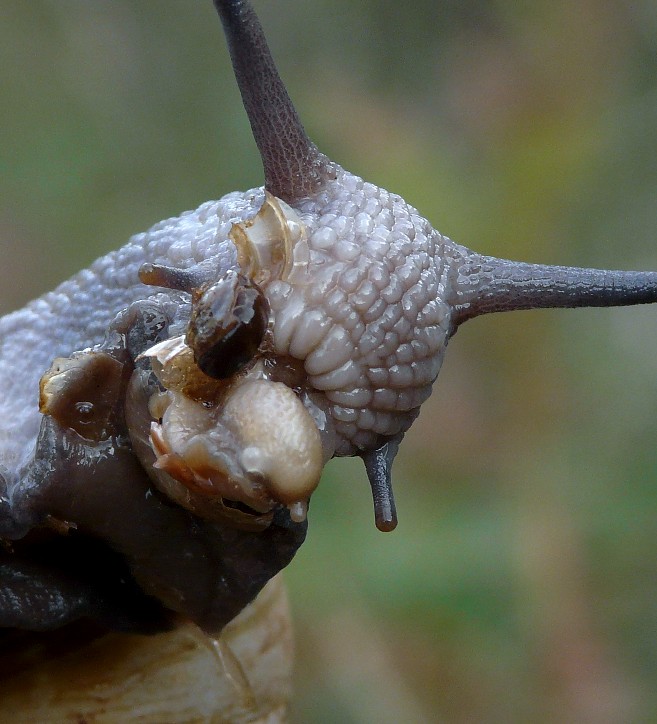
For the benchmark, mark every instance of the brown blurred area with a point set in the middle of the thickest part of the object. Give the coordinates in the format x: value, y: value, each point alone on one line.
x: 521, y: 583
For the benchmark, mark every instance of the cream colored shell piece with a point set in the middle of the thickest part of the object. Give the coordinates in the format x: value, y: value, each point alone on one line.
x: 273, y: 244
x: 170, y: 677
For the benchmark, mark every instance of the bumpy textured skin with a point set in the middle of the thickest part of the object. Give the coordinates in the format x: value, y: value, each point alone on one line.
x: 371, y: 328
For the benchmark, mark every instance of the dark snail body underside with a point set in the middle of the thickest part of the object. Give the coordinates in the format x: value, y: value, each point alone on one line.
x: 167, y: 412
x: 92, y: 537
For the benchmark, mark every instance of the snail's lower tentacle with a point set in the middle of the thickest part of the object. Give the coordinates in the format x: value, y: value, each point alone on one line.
x: 378, y: 464
x: 184, y: 280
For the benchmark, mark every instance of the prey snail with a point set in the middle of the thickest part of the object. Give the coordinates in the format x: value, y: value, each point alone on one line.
x: 360, y: 296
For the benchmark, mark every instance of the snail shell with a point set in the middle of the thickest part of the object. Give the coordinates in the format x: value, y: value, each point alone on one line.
x: 180, y: 675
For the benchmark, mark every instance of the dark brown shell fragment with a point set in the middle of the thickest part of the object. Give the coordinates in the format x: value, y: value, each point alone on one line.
x: 228, y: 323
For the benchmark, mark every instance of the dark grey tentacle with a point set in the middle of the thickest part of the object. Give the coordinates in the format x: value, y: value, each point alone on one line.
x: 378, y: 464
x: 487, y: 284
x: 293, y: 165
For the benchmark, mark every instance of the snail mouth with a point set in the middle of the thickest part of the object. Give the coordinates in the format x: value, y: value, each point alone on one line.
x: 192, y: 459
x: 225, y: 447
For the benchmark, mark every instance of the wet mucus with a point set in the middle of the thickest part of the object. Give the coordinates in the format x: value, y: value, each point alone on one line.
x: 100, y: 537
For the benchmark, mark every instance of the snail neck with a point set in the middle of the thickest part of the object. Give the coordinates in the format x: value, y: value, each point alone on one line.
x: 293, y: 165
x: 486, y: 284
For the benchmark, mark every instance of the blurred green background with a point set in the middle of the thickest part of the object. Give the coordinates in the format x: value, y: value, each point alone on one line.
x: 521, y: 583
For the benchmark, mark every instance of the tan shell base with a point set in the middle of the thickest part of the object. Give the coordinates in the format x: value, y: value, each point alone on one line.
x: 171, y: 677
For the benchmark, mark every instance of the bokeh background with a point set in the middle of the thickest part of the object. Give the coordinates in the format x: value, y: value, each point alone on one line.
x: 521, y: 583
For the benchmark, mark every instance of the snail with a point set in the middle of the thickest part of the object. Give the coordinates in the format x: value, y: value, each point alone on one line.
x: 320, y: 306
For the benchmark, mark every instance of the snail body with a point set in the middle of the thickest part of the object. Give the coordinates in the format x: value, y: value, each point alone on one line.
x: 194, y: 382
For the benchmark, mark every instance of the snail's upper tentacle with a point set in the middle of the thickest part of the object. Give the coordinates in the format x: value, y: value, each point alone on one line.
x: 293, y: 165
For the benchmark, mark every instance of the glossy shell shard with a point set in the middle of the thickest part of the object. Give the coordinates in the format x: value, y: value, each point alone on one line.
x: 271, y: 245
x: 228, y: 324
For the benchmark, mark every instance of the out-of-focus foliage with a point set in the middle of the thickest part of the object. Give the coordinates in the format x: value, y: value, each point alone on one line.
x: 521, y: 583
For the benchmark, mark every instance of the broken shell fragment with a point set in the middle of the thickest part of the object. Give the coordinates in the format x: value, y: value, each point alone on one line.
x: 172, y: 361
x: 228, y: 323
x: 271, y: 245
